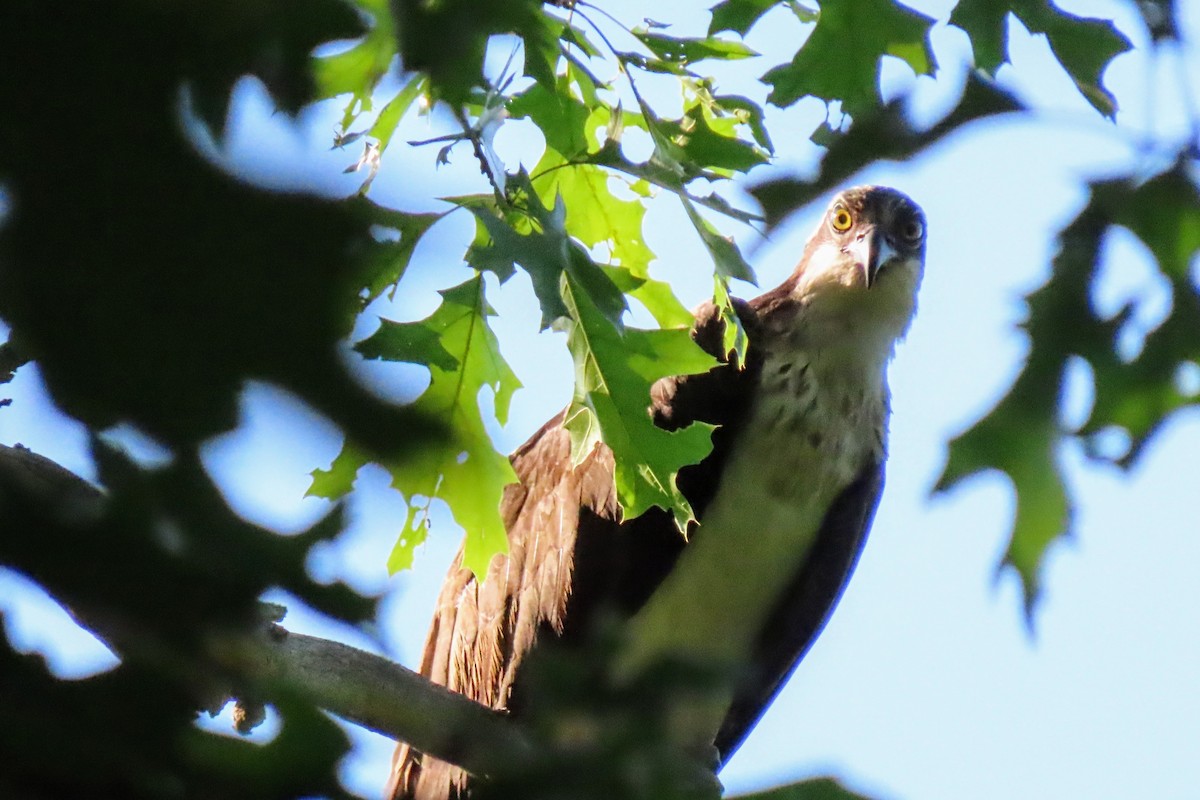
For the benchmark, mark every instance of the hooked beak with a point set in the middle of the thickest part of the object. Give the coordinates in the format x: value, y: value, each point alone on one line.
x: 871, y: 252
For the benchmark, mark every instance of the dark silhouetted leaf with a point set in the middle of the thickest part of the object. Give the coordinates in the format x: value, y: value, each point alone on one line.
x: 826, y: 67
x: 148, y: 284
x: 447, y: 40
x: 1021, y: 435
x: 395, y: 237
x: 1083, y: 45
x: 738, y: 15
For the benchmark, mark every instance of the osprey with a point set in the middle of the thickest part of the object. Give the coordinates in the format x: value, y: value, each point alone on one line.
x: 784, y: 500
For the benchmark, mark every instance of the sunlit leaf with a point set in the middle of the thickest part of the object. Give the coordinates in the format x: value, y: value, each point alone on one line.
x: 338, y: 479
x: 682, y: 50
x: 560, y: 117
x: 736, y: 341
x: 614, y: 369
x: 358, y: 69
x: 656, y: 296
x: 466, y: 471
x: 389, y: 118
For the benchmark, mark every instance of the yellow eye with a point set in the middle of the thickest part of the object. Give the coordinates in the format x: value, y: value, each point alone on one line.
x: 841, y: 219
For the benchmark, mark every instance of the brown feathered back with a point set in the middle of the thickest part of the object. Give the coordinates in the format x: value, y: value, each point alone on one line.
x: 556, y: 517
x: 481, y: 632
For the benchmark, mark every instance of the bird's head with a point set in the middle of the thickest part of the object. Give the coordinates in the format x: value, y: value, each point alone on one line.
x: 868, y: 234
x: 866, y: 256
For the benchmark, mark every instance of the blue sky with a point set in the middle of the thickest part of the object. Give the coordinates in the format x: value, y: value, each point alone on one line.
x: 926, y: 685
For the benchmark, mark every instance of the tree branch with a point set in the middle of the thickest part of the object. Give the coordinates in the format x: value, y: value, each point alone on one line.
x: 364, y: 688
x: 375, y: 693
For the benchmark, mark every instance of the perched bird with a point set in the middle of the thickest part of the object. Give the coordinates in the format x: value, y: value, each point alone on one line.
x: 784, y: 500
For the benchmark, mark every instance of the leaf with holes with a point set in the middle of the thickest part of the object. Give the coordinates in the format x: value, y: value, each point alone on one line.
x: 1021, y: 435
x: 387, y: 257
x: 1139, y: 395
x: 614, y: 369
x: 464, y: 470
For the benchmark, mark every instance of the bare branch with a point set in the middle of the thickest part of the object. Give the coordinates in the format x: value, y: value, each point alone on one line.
x: 377, y: 694
x: 362, y: 687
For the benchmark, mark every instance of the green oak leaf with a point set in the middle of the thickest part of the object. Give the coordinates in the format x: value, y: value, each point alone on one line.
x: 338, y: 479
x: 657, y: 296
x: 682, y: 50
x: 736, y: 341
x: 825, y: 67
x: 536, y: 239
x: 1138, y: 396
x: 594, y: 215
x: 711, y: 143
x: 614, y: 369
x: 738, y: 16
x: 357, y: 71
x: 464, y: 469
x: 727, y: 256
x: 389, y: 117
x: 1022, y: 434
x: 1083, y: 45
x: 750, y: 114
x: 561, y: 117
x: 387, y: 258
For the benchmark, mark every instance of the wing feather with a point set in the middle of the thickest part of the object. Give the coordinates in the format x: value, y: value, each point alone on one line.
x: 482, y: 631
x: 559, y: 515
